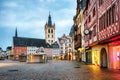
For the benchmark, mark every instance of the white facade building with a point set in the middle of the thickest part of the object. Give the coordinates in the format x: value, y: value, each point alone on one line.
x: 31, y: 50
x: 35, y: 54
x: 65, y: 43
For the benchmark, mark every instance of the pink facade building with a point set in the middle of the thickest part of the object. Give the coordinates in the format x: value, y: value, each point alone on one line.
x: 102, y: 33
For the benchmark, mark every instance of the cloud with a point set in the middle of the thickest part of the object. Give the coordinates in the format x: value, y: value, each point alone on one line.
x: 30, y: 16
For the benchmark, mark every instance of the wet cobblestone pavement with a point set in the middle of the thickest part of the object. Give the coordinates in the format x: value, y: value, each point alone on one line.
x: 55, y: 70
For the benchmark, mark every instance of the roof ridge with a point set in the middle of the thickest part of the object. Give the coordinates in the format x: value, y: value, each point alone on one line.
x: 29, y: 38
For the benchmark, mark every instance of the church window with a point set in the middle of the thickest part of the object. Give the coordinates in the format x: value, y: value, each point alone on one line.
x: 52, y: 36
x: 48, y: 30
x: 51, y: 30
x: 52, y: 41
x: 48, y: 36
x: 49, y: 41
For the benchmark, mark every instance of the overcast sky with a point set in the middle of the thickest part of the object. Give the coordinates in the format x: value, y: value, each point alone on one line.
x: 30, y: 16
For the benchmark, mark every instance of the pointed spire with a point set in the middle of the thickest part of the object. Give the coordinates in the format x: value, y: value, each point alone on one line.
x: 16, y: 35
x: 49, y: 20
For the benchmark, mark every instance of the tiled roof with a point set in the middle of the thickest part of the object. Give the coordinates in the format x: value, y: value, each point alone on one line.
x: 72, y: 30
x: 23, y: 41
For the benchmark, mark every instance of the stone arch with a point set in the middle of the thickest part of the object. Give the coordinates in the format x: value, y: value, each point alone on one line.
x: 103, y: 58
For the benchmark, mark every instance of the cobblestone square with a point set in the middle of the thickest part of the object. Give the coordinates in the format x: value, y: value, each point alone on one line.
x: 55, y: 70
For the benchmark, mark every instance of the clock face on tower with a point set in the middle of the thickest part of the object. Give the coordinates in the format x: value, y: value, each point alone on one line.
x: 86, y: 31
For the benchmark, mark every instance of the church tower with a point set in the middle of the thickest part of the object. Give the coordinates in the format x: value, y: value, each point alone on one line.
x: 49, y: 31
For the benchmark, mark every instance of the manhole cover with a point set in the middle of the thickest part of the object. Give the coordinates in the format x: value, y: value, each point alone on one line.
x: 77, y: 67
x: 13, y: 70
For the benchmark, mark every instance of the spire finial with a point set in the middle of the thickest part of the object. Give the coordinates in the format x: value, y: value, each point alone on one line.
x: 16, y: 35
x: 49, y: 20
x: 49, y: 13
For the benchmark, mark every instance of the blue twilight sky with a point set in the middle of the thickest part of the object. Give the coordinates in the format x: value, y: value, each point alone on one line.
x: 30, y: 16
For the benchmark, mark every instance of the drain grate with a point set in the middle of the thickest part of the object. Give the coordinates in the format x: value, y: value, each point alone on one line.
x: 13, y: 70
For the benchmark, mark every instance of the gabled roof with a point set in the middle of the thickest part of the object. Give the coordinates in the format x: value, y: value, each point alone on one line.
x: 23, y: 41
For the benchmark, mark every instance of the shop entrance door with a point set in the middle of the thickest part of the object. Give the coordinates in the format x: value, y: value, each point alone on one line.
x: 103, y: 58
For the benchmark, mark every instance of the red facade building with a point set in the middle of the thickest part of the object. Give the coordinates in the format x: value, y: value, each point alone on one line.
x: 19, y: 51
x: 109, y: 31
x: 102, y: 33
x: 90, y: 28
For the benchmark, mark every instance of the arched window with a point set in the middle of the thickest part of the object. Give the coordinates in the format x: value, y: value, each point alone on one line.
x: 48, y: 40
x: 48, y: 36
x: 51, y: 30
x: 52, y: 41
x: 48, y: 30
x: 52, y: 36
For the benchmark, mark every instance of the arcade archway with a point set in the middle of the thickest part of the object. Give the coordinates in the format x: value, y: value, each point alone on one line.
x: 103, y: 58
